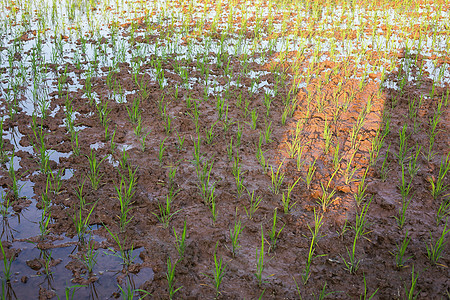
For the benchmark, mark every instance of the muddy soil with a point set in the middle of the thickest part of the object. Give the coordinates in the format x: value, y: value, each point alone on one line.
x: 147, y: 244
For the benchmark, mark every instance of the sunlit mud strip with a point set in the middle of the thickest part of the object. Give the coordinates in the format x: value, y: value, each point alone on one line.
x: 335, y: 121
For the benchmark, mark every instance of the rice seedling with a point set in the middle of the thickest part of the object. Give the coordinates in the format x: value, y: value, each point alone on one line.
x: 413, y: 166
x: 315, y: 237
x: 189, y: 102
x: 5, y: 204
x: 254, y: 204
x: 168, y: 124
x: 161, y: 151
x: 138, y: 129
x: 286, y: 198
x: 236, y: 170
x: 39, y: 146
x: 327, y: 197
x: 234, y: 235
x: 75, y: 143
x: 80, y: 219
x: 170, y: 276
x: 45, y: 197
x: 405, y: 186
x: 354, y: 135
x: 366, y: 296
x: 175, y: 93
x: 230, y: 150
x: 143, y: 141
x: 15, y: 186
x: 165, y: 211
x: 401, y: 218
x: 218, y: 272
x: 128, y: 293
x: 261, y: 159
x: 293, y: 147
x: 94, y: 171
x: 403, y: 145
x: 172, y: 172
x: 254, y: 116
x: 205, y: 185
x: 386, y: 121
x: 277, y: 178
x: 46, y: 255
x: 196, y: 152
x: 134, y: 112
x: 300, y: 162
x: 123, y: 161
x: 349, y: 172
x: 103, y: 112
x: 327, y: 136
x: 336, y: 159
x: 267, y: 102
x: 195, y: 117
x: 435, y: 248
x: 3, y: 152
x: 260, y: 260
x: 69, y: 291
x: 434, y: 122
x: 210, y: 134
x: 226, y: 122
x: 437, y: 185
x: 309, y: 176
x: 219, y: 106
x: 297, y: 288
x: 212, y: 203
x: 443, y: 210
x: 360, y: 194
x: 6, y: 264
x: 287, y: 112
x: 410, y: 292
x: 89, y: 257
x: 274, y: 234
x: 323, y: 293
x: 385, y: 166
x: 180, y: 241
x: 352, y: 263
x: 268, y: 133
x: 238, y: 136
x: 400, y: 258
x: 376, y: 145
x: 124, y: 254
x: 125, y: 192
x: 56, y: 183
x: 180, y: 143
x: 143, y: 87
x: 360, y: 220
x: 44, y: 221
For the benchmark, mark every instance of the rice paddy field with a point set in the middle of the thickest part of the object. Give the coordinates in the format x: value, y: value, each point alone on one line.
x: 224, y: 149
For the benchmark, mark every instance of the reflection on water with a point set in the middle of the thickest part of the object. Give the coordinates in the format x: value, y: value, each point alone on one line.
x: 59, y: 278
